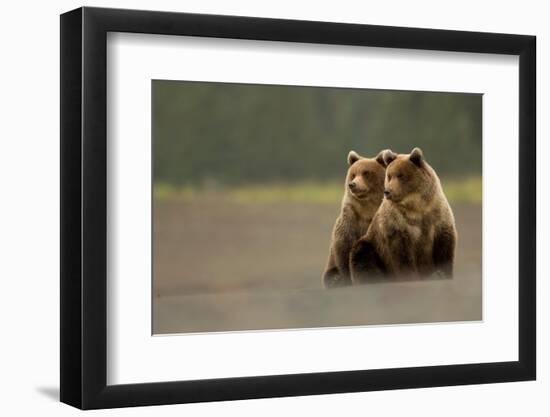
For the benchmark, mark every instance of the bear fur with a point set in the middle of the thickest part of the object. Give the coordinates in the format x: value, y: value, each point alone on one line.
x: 413, y: 233
x: 364, y: 191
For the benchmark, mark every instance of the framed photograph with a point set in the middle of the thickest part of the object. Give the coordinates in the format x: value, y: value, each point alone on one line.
x: 257, y: 208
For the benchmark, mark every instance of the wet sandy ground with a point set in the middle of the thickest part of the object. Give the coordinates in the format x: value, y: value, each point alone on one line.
x: 221, y: 266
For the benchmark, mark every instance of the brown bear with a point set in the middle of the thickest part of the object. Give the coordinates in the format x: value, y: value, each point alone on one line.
x: 364, y: 191
x: 413, y: 233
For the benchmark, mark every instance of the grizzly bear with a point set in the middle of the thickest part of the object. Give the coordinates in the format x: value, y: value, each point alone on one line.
x: 364, y: 191
x: 413, y: 233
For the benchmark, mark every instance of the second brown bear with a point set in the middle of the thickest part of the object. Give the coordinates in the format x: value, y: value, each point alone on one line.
x: 364, y: 190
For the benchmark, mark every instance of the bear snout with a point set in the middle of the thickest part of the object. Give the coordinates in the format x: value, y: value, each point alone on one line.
x: 352, y: 185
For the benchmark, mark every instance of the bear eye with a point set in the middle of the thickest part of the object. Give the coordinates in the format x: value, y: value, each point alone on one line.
x: 365, y: 173
x: 352, y: 176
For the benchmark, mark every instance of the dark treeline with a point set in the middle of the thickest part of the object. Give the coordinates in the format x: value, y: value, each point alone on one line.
x: 239, y: 133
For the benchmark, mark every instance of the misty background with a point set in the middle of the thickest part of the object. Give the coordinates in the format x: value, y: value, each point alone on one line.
x: 239, y: 133
x: 248, y: 181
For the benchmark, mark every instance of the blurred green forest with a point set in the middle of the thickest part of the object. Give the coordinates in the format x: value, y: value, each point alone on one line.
x: 237, y: 135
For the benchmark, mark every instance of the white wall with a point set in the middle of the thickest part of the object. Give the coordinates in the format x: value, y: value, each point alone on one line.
x: 29, y: 238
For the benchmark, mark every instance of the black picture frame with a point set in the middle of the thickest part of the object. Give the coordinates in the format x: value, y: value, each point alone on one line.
x: 84, y: 207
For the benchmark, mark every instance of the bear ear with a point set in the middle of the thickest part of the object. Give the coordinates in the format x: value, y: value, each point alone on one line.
x: 380, y: 157
x: 388, y: 156
x: 353, y: 157
x: 416, y: 156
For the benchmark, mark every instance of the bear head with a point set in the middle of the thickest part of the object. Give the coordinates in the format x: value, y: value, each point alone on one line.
x: 365, y: 177
x: 408, y: 177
